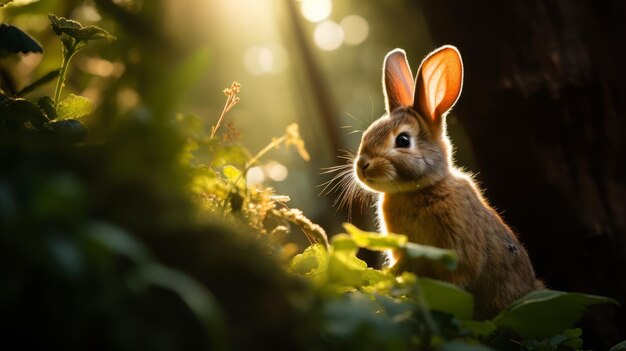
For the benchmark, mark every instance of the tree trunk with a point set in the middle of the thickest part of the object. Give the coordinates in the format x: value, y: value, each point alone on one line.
x: 543, y: 104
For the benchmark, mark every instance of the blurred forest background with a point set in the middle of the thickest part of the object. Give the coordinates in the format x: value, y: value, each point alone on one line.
x: 540, y: 120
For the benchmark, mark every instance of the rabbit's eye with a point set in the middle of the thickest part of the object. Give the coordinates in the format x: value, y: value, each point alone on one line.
x: 403, y: 140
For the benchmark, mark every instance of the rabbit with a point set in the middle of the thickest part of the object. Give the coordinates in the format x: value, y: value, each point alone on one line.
x: 406, y: 157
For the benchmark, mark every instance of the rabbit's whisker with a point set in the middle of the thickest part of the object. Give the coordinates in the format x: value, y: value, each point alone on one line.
x: 344, y: 184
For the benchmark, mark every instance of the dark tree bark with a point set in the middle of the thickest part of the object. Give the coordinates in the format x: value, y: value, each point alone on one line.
x: 544, y: 103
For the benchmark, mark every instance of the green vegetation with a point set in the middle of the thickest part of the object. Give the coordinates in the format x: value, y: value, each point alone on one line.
x: 149, y: 237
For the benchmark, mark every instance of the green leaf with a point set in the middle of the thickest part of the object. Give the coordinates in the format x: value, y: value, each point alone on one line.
x: 343, y: 242
x: 234, y: 176
x: 447, y: 257
x: 446, y: 297
x: 39, y: 82
x: 345, y: 270
x: 375, y: 241
x: 231, y: 173
x: 543, y: 313
x: 372, y: 277
x: 619, y: 347
x: 74, y: 30
x: 74, y: 107
x: 313, y: 259
x: 93, y: 33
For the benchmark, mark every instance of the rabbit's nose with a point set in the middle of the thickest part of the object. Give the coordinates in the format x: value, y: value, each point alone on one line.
x: 363, y: 163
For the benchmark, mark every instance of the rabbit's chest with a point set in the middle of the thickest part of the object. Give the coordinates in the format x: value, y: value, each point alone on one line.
x: 425, y: 226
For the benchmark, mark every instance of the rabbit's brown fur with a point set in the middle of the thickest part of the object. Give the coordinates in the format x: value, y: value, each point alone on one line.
x: 422, y: 195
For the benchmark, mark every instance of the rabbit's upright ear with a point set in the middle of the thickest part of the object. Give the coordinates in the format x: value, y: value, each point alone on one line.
x: 438, y: 84
x: 397, y: 80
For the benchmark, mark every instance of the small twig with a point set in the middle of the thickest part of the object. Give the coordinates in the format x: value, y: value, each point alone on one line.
x: 231, y: 101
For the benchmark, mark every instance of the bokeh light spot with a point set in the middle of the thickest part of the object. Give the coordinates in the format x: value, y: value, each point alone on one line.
x: 255, y: 176
x: 355, y: 29
x: 251, y: 60
x: 86, y: 13
x: 266, y: 59
x: 328, y: 36
x: 260, y: 60
x: 276, y: 171
x: 127, y: 98
x: 316, y: 10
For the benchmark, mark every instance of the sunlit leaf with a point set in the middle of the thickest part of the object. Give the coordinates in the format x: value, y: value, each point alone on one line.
x: 375, y: 241
x: 546, y: 312
x: 234, y: 176
x: 312, y: 259
x: 74, y: 107
x: 343, y: 242
x: 446, y: 297
x: 447, y: 257
x: 372, y: 278
x: 231, y: 173
x: 345, y: 269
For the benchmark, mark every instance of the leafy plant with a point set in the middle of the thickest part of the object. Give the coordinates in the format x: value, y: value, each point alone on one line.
x: 74, y: 38
x: 434, y: 314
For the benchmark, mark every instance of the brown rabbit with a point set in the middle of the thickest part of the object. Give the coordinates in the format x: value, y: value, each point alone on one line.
x: 406, y: 157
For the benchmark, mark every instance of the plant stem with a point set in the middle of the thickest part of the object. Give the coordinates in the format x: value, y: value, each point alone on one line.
x: 226, y: 108
x: 265, y: 150
x: 67, y: 56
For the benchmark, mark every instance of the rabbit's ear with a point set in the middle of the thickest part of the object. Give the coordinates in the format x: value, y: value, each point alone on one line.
x: 438, y: 83
x: 397, y: 80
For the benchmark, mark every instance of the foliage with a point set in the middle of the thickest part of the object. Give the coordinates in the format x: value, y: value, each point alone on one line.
x: 75, y: 38
x: 153, y: 239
